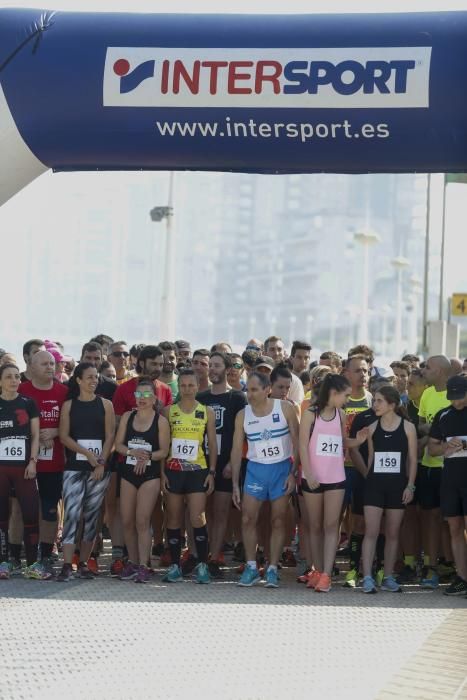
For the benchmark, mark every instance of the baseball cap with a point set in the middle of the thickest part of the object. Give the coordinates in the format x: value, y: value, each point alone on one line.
x: 183, y: 345
x: 263, y: 361
x: 383, y: 373
x: 457, y: 387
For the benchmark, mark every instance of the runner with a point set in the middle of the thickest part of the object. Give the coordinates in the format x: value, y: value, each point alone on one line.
x: 19, y: 447
x: 448, y: 439
x: 107, y: 370
x: 92, y: 352
x: 30, y: 348
x: 119, y: 356
x: 134, y: 354
x: 105, y: 341
x: 322, y: 443
x: 274, y: 348
x: 436, y: 371
x: 235, y: 372
x: 183, y: 353
x: 186, y: 475
x: 332, y: 360
x: 271, y: 428
x: 401, y: 371
x: 225, y: 403
x: 357, y: 372
x: 200, y: 365
x: 143, y: 439
x: 390, y: 484
x: 300, y: 354
x: 87, y: 430
x: 49, y: 396
x: 169, y: 375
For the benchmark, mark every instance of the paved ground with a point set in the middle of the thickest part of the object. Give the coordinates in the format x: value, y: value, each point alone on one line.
x: 110, y: 639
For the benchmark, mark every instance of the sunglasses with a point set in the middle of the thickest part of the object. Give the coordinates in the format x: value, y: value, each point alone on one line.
x: 120, y: 353
x: 237, y: 365
x: 143, y: 394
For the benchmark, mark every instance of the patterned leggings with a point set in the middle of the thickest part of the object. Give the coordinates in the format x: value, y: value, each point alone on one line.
x: 82, y: 495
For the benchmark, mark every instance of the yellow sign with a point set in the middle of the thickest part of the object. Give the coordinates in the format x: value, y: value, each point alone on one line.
x: 459, y: 304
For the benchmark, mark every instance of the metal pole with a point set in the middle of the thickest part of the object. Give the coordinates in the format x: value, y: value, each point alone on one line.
x: 443, y: 247
x: 365, y: 284
x: 167, y: 329
x: 427, y: 264
x: 398, y: 325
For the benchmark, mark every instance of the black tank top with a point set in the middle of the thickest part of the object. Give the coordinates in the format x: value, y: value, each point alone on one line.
x: 149, y: 436
x: 390, y: 453
x: 87, y: 426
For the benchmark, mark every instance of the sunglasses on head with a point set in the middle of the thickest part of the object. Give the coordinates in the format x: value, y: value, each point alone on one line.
x: 143, y: 394
x: 120, y: 353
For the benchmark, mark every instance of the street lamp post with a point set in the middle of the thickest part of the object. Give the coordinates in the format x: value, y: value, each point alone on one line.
x: 416, y: 287
x: 167, y: 308
x: 366, y: 238
x: 400, y: 264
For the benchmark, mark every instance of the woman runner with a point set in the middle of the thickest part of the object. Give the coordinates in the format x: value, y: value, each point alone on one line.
x: 143, y: 438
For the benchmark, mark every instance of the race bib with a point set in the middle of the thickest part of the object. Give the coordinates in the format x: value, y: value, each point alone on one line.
x: 45, y: 453
x: 460, y: 453
x: 13, y: 449
x: 269, y: 451
x: 94, y: 446
x: 387, y: 463
x: 135, y: 445
x: 329, y: 445
x: 185, y: 449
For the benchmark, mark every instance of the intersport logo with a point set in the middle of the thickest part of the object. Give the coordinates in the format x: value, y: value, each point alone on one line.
x: 368, y: 77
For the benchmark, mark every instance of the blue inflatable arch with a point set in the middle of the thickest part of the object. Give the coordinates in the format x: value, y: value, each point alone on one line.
x: 252, y: 93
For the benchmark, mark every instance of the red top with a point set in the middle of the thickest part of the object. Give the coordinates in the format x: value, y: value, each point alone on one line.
x: 49, y: 403
x: 124, y: 399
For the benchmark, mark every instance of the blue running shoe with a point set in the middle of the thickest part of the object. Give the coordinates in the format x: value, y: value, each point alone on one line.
x: 202, y: 574
x: 249, y: 577
x: 368, y: 584
x: 272, y: 579
x: 429, y: 579
x: 390, y: 584
x: 173, y: 575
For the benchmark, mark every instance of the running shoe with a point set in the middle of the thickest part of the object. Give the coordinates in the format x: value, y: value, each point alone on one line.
x: 165, y: 558
x: 5, y: 569
x: 84, y: 572
x: 288, y: 559
x: 129, y: 572
x: 272, y: 578
x: 369, y: 585
x: 16, y: 567
x: 457, y: 587
x: 249, y: 577
x: 313, y: 579
x: 324, y: 584
x: 239, y: 552
x: 187, y: 566
x: 173, y: 575
x: 303, y: 578
x: 157, y: 549
x: 202, y: 573
x: 379, y: 577
x: 430, y: 579
x: 93, y: 566
x: 116, y: 568
x: 351, y: 579
x: 75, y: 561
x: 66, y: 574
x: 390, y: 584
x: 37, y: 571
x: 143, y: 575
x: 407, y: 575
x: 215, y: 569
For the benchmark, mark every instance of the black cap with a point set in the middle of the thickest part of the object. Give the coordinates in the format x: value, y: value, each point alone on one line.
x: 264, y: 361
x: 457, y: 387
x: 183, y: 345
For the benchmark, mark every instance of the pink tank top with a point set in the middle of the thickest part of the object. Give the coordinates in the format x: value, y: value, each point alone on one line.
x: 325, y: 450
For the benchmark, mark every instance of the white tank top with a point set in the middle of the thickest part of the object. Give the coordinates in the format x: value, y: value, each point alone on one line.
x: 268, y: 436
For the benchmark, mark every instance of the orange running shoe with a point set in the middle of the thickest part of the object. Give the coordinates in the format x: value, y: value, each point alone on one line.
x: 324, y: 584
x: 313, y: 579
x: 75, y: 561
x: 165, y: 559
x: 93, y: 566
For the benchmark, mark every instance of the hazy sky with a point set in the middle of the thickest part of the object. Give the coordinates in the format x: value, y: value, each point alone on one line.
x: 46, y: 188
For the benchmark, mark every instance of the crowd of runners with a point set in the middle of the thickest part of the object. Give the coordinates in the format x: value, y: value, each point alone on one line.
x: 182, y: 456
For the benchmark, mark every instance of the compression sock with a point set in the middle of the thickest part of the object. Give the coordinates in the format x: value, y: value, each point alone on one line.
x: 356, y: 542
x: 201, y: 539
x: 174, y: 540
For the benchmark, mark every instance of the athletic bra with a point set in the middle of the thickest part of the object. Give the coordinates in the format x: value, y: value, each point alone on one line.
x: 187, y: 432
x: 268, y: 436
x: 148, y: 439
x: 325, y: 450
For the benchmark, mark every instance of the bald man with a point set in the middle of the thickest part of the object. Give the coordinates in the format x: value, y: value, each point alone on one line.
x: 49, y: 396
x: 437, y: 371
x: 456, y: 366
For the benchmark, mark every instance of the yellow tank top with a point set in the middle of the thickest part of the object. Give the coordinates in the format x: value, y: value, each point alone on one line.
x: 187, y: 431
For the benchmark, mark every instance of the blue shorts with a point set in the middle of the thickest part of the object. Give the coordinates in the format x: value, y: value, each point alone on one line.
x: 266, y: 482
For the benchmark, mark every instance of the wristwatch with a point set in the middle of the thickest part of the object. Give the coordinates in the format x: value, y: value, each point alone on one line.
x: 411, y: 487
x: 212, y: 472
x: 101, y: 462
